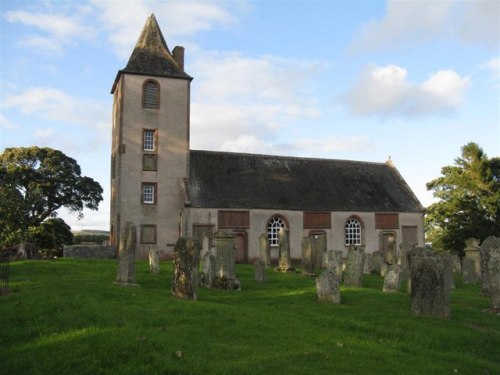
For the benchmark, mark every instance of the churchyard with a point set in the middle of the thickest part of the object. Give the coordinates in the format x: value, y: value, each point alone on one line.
x: 66, y: 316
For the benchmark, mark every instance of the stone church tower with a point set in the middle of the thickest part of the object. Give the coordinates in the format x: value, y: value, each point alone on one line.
x: 150, y: 142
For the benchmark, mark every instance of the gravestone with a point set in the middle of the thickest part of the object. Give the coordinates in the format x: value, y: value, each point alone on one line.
x: 490, y: 252
x: 392, y: 279
x: 307, y: 256
x: 225, y: 277
x: 404, y: 252
x: 383, y: 269
x: 354, y: 267
x: 376, y: 262
x: 391, y: 252
x: 332, y: 261
x: 469, y: 274
x: 185, y: 275
x: 327, y: 287
x: 471, y: 251
x: 456, y: 264
x: 265, y: 252
x: 285, y: 264
x: 154, y: 260
x: 205, y: 245
x: 431, y: 286
x: 260, y: 271
x: 366, y: 267
x: 208, y: 270
x: 126, y: 255
x: 318, y: 250
x: 416, y: 252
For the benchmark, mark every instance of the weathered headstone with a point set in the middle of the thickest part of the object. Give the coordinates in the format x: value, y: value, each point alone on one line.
x: 354, y: 267
x: 490, y: 256
x: 332, y: 261
x: 472, y: 252
x: 456, y: 264
x: 469, y: 274
x: 185, y: 276
x: 392, y: 279
x: 366, y: 266
x: 154, y: 260
x: 318, y: 249
x: 391, y: 252
x: 208, y: 270
x: 265, y: 252
x: 383, y: 269
x: 404, y: 251
x: 376, y: 262
x: 307, y: 256
x: 327, y: 287
x: 260, y: 271
x: 225, y: 277
x: 126, y: 255
x: 285, y: 264
x: 416, y: 252
x: 430, y: 286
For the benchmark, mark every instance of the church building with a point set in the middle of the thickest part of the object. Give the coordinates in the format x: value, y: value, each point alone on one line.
x: 168, y: 190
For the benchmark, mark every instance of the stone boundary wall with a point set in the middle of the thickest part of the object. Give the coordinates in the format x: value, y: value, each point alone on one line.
x: 89, y: 251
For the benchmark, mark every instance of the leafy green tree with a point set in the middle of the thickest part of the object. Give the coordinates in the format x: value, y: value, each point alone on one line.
x: 50, y: 236
x: 34, y: 183
x: 469, y: 201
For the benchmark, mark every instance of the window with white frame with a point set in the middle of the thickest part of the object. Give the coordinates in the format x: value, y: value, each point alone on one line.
x: 148, y: 193
x: 352, y: 232
x: 273, y: 227
x: 148, y: 140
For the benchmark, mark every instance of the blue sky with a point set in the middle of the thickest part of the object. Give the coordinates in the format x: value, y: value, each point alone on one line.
x: 358, y: 80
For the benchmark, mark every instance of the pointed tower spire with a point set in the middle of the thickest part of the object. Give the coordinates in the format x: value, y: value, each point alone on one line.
x: 151, y: 55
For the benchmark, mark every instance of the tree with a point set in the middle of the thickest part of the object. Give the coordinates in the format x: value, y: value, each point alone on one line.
x: 34, y: 183
x: 469, y: 201
x: 50, y: 236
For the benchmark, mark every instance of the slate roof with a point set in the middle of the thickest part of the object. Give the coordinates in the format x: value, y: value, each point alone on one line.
x: 151, y: 55
x: 246, y: 181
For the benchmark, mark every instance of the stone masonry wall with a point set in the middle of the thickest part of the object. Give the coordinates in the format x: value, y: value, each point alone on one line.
x: 89, y: 251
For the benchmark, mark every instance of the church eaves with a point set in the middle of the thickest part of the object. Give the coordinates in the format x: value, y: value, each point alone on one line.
x: 151, y: 55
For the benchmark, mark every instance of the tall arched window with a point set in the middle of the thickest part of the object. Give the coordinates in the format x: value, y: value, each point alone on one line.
x: 273, y: 227
x: 150, y: 94
x: 352, y: 232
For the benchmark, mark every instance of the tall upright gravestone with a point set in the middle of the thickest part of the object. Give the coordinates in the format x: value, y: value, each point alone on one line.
x: 208, y: 270
x: 154, y: 259
x: 490, y: 256
x: 318, y: 251
x: 125, y: 274
x: 225, y: 276
x: 431, y: 285
x: 353, y: 273
x: 471, y: 266
x: 265, y: 251
x: 285, y: 263
x: 307, y: 256
x: 185, y: 276
x: 327, y: 287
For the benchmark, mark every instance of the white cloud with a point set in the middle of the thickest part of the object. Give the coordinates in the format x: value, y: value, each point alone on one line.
x: 386, y: 91
x: 243, y: 99
x: 493, y: 66
x: 125, y: 20
x: 408, y: 22
x: 45, y: 133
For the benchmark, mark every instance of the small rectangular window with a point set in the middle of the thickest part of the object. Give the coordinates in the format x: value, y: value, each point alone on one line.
x: 148, y: 193
x: 149, y: 140
x: 149, y: 162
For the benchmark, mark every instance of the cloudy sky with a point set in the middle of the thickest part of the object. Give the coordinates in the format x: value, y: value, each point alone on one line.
x: 358, y: 80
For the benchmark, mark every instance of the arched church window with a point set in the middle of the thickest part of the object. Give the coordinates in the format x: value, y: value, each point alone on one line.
x: 352, y: 232
x: 150, y: 94
x: 273, y: 227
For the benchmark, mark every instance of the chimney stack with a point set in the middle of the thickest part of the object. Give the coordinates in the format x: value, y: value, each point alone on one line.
x: 178, y: 53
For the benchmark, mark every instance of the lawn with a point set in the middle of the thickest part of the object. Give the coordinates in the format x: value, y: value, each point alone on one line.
x: 66, y: 316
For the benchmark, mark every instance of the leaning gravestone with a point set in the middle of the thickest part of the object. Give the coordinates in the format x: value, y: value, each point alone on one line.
x: 185, y: 264
x: 392, y: 279
x: 327, y: 287
x: 208, y: 270
x: 125, y: 274
x: 307, y: 256
x: 265, y: 252
x: 260, y: 271
x: 431, y: 286
x: 225, y: 276
x: 154, y: 260
x: 490, y: 249
x: 354, y: 264
x: 285, y: 264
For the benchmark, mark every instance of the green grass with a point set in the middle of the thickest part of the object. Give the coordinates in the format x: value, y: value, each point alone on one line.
x: 67, y: 317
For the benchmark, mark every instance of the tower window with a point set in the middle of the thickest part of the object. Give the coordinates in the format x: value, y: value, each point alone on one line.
x: 149, y: 140
x: 148, y: 193
x: 150, y: 94
x: 352, y: 232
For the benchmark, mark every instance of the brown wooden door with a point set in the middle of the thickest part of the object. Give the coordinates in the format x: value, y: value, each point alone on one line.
x: 240, y: 241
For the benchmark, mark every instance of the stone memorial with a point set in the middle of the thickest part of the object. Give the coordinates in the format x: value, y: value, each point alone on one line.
x: 318, y: 250
x: 307, y: 256
x: 431, y: 286
x: 260, y: 271
x: 392, y: 279
x: 208, y: 270
x: 471, y: 251
x: 490, y: 252
x: 154, y: 260
x: 225, y: 277
x: 366, y: 266
x: 391, y: 252
x: 376, y: 262
x: 185, y: 264
x: 265, y: 252
x: 469, y: 273
x: 332, y: 261
x: 126, y: 255
x: 354, y: 264
x: 327, y: 287
x: 404, y: 252
x: 284, y: 261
